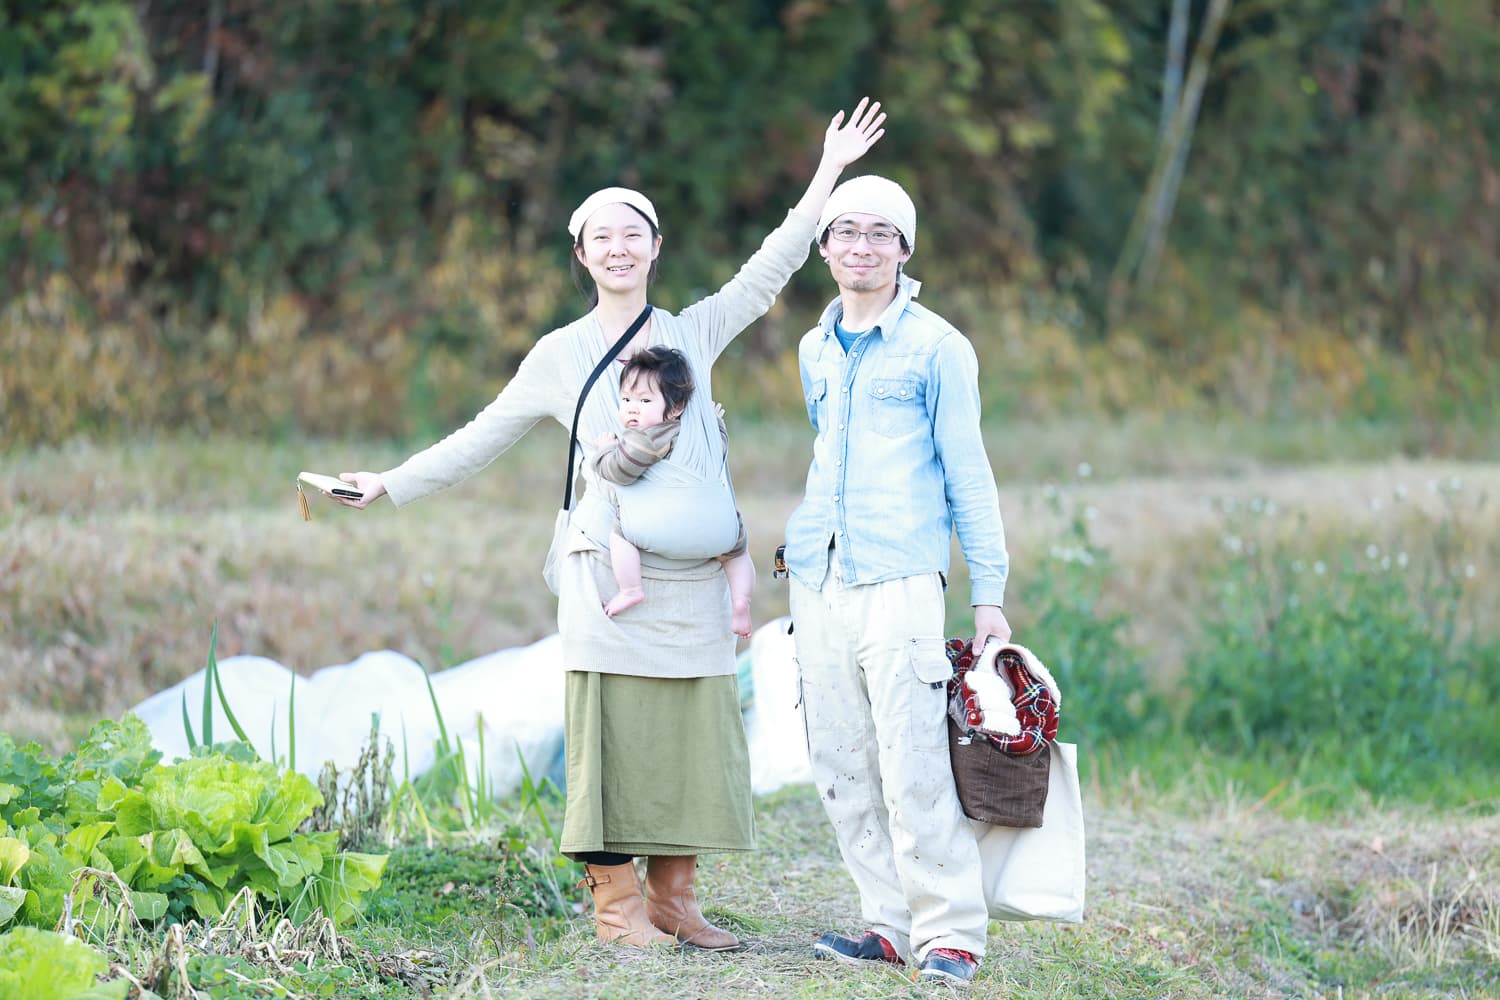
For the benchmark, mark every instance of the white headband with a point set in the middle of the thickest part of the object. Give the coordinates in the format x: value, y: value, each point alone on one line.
x: 610, y: 196
x: 873, y: 196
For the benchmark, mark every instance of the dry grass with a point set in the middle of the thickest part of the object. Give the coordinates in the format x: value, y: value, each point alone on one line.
x: 116, y: 560
x: 1229, y: 900
x: 1211, y: 895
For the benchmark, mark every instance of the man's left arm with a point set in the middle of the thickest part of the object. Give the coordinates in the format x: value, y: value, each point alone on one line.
x: 974, y: 503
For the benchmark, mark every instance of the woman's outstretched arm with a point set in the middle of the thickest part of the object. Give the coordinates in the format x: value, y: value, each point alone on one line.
x: 843, y: 143
x: 719, y: 318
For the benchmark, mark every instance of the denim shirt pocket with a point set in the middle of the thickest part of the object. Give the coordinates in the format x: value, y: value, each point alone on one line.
x: 816, y: 393
x: 896, y: 406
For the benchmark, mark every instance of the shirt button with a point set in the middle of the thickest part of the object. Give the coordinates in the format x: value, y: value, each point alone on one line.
x: 835, y: 498
x: 841, y: 426
x: 903, y: 392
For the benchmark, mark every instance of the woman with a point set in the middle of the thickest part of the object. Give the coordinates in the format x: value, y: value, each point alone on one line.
x: 656, y: 758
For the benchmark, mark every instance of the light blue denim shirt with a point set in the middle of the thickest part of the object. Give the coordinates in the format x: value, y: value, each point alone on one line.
x: 898, y: 462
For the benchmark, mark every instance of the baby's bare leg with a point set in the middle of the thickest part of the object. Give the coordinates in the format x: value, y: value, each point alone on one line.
x: 625, y: 560
x: 740, y: 571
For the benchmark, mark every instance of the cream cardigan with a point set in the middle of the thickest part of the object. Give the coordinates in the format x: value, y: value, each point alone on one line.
x: 682, y: 629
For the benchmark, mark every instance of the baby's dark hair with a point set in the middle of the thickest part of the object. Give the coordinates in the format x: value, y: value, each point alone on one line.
x: 669, y: 368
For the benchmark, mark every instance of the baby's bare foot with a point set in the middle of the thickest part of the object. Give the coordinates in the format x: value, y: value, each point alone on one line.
x: 739, y: 620
x: 628, y: 597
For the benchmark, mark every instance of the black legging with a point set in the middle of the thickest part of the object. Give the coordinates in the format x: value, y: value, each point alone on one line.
x: 604, y: 859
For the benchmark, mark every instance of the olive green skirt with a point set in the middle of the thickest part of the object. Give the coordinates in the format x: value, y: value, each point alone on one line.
x: 656, y: 765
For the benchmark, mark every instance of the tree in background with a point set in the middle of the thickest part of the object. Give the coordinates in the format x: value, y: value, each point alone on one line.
x: 211, y: 211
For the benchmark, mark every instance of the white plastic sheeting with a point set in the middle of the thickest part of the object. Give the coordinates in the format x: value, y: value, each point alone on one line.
x: 515, y: 694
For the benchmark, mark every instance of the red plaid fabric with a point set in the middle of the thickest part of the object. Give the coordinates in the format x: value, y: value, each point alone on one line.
x: 1035, y: 707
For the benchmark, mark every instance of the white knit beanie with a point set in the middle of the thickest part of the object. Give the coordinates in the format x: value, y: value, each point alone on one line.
x: 610, y: 196
x: 872, y: 195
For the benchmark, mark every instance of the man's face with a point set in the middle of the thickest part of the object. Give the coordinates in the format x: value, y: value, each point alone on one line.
x: 857, y: 264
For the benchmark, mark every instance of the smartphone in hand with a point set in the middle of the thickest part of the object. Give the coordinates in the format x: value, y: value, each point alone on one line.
x: 331, y: 486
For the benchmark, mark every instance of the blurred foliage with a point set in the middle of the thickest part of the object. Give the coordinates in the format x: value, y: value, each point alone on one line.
x: 1365, y: 655
x: 335, y: 216
x: 1108, y: 696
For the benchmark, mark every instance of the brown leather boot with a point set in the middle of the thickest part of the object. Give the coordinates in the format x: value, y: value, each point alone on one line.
x: 672, y: 906
x: 619, y: 912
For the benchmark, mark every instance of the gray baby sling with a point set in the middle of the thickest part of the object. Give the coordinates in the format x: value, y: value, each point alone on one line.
x: 682, y: 508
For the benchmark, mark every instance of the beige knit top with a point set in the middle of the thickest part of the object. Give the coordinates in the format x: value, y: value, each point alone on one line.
x: 682, y: 629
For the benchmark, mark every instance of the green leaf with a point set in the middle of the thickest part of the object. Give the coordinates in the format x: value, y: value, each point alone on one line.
x: 220, y: 872
x: 11, y: 898
x: 43, y: 965
x: 133, y: 815
x: 47, y: 877
x: 13, y: 854
x: 111, y: 792
x: 291, y: 726
x: 120, y: 750
x: 149, y: 905
x: 294, y: 865
x: 223, y: 701
x: 173, y: 849
x: 167, y: 854
x: 125, y: 854
x: 343, y: 884
x: 187, y: 725
x: 208, y: 902
x: 208, y: 678
x: 83, y: 839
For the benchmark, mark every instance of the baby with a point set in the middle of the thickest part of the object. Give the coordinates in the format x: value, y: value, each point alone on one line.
x: 654, y: 389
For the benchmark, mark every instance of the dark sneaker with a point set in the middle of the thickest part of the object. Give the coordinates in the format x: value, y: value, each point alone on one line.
x: 870, y: 948
x: 948, y: 965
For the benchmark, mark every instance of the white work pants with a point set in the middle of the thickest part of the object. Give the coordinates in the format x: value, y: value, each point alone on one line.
x: 871, y: 666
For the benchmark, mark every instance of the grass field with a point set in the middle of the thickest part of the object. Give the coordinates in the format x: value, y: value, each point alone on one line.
x: 116, y: 560
x: 1218, y: 897
x: 1205, y: 880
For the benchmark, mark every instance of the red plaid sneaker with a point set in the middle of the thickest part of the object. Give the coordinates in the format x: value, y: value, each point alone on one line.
x: 948, y: 965
x: 870, y: 948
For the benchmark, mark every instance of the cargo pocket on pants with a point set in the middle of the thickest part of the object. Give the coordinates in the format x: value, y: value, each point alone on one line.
x: 930, y: 671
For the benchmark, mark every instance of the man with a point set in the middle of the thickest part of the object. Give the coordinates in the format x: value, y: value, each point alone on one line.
x: 898, y: 463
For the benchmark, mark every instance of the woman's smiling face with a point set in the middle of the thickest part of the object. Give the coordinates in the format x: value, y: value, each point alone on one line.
x: 617, y: 247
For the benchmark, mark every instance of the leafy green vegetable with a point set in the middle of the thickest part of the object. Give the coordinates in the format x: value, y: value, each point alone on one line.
x: 42, y: 965
x: 183, y: 837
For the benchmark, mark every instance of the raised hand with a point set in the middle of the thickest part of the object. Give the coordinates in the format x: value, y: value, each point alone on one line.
x: 844, y: 143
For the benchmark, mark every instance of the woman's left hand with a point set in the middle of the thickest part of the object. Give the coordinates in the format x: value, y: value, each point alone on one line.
x: 845, y: 142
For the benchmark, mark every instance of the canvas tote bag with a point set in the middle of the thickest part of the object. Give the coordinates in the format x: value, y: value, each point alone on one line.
x: 1030, y: 872
x: 1037, y: 873
x: 563, y: 521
